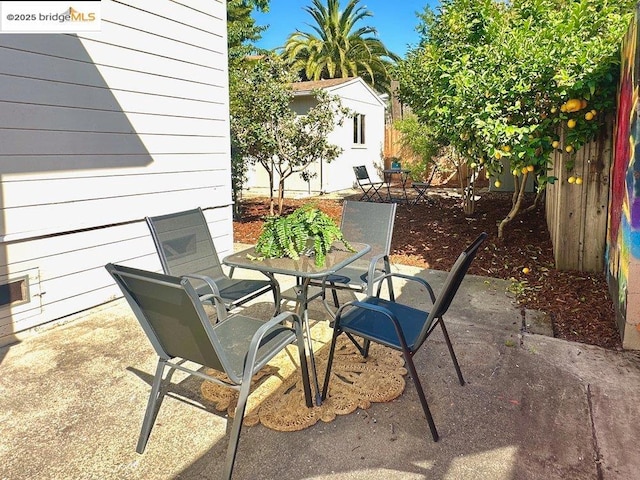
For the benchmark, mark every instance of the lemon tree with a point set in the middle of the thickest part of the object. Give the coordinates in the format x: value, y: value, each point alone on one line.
x: 498, y: 80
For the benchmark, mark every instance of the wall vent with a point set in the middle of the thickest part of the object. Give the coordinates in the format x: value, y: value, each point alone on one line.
x: 14, y: 292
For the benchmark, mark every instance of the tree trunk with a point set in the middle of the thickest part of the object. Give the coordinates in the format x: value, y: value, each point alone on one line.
x: 536, y: 202
x: 271, y: 201
x: 516, y: 189
x: 517, y: 196
x: 469, y: 199
x: 280, y: 195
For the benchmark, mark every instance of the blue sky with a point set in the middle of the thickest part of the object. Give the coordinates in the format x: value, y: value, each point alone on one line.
x: 395, y: 21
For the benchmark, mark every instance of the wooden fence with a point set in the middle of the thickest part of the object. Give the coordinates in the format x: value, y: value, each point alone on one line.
x: 577, y: 214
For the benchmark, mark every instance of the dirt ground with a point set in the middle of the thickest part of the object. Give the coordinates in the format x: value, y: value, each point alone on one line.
x: 433, y: 235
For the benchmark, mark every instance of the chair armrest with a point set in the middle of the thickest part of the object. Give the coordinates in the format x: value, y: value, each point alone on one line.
x: 256, y: 340
x: 411, y: 278
x: 372, y: 270
x: 221, y: 309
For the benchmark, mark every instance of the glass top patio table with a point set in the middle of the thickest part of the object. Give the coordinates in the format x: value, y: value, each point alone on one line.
x: 304, y: 269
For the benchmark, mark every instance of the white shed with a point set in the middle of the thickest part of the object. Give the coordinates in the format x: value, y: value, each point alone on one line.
x: 361, y: 139
x: 97, y: 131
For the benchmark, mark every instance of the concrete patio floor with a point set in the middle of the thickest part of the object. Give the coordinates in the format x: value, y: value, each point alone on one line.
x: 534, y: 407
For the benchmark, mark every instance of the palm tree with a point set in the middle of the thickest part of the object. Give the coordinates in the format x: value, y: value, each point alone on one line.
x: 337, y: 49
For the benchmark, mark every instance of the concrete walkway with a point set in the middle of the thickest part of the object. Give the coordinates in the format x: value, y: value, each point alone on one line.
x: 534, y: 407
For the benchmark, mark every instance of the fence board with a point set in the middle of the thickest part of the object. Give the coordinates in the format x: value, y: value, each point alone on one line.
x: 577, y: 214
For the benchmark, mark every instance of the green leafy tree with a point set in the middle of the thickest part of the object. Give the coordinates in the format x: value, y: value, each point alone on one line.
x: 498, y: 81
x: 242, y: 33
x: 417, y: 141
x: 269, y: 132
x: 338, y: 47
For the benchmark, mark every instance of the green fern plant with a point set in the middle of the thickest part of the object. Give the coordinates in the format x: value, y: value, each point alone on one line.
x: 287, y: 236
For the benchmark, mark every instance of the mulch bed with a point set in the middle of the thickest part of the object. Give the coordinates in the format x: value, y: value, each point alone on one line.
x: 433, y: 235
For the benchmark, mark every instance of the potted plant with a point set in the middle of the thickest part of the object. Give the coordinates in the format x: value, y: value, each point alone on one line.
x: 307, y: 231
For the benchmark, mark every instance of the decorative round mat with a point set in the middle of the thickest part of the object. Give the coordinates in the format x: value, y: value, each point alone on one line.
x: 277, y: 396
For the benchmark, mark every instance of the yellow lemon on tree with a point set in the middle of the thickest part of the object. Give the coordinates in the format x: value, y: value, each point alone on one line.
x: 555, y: 144
x: 524, y: 170
x: 498, y: 155
x: 571, y: 179
x: 569, y: 148
x: 579, y: 181
x: 530, y: 168
x: 506, y: 148
x: 594, y: 111
x: 588, y: 116
x: 571, y: 123
x: 554, y: 109
x: 573, y: 105
x: 497, y: 183
x: 473, y: 164
x: 525, y: 270
x: 516, y: 172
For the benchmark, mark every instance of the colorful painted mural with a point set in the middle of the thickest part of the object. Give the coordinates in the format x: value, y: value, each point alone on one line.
x: 623, y: 233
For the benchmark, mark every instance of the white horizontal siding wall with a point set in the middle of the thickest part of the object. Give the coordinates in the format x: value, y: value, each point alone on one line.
x: 338, y: 174
x: 99, y: 130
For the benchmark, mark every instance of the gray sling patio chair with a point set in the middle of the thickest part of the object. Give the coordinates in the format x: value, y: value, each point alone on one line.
x: 370, y: 223
x: 421, y: 188
x: 170, y: 312
x: 370, y: 189
x: 403, y: 327
x: 184, y: 244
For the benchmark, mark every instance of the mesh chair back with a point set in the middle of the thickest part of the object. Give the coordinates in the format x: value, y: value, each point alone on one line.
x: 170, y: 313
x: 184, y: 244
x: 361, y: 173
x: 371, y: 223
x: 451, y: 285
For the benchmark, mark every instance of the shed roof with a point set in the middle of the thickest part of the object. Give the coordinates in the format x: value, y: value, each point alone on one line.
x: 307, y: 88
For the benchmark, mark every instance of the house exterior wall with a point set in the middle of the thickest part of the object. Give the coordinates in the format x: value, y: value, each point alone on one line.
x: 97, y: 131
x: 338, y: 174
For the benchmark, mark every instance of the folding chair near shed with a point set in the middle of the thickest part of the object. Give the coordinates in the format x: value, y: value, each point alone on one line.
x: 370, y: 189
x: 421, y: 188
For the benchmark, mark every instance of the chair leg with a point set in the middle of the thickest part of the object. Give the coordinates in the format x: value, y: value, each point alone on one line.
x: 451, y: 352
x: 234, y: 435
x: 153, y: 405
x: 334, y: 293
x: 423, y: 399
x: 325, y: 387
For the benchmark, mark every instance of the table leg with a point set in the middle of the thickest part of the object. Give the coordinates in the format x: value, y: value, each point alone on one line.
x: 405, y: 177
x: 302, y: 294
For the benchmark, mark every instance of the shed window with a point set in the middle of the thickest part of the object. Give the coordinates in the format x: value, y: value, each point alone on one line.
x: 358, y: 129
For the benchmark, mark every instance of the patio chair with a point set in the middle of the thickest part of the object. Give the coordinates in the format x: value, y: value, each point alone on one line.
x: 370, y: 189
x: 421, y: 188
x: 171, y: 314
x: 184, y: 244
x: 370, y: 223
x: 403, y: 327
